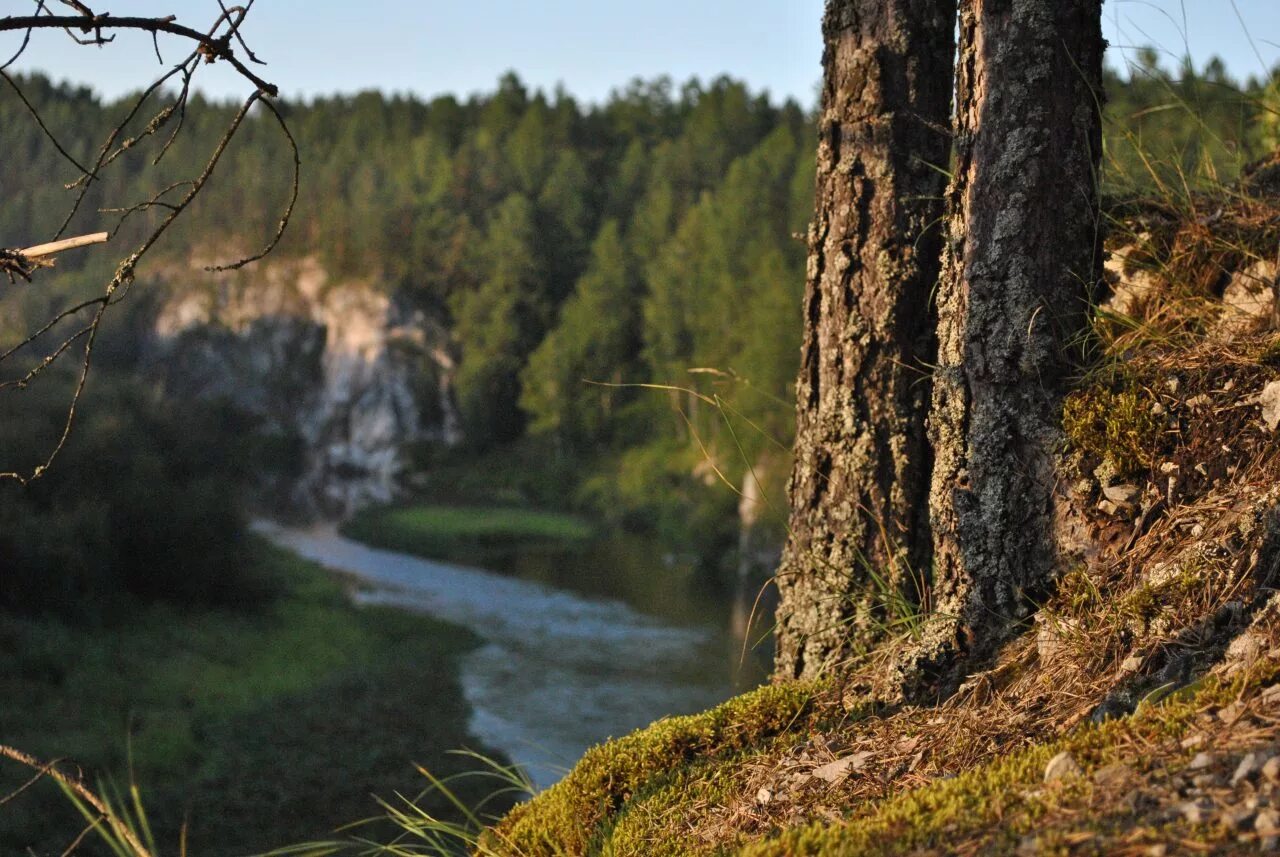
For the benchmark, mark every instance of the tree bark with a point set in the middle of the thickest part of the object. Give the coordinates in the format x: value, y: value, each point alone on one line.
x: 1021, y: 260
x: 858, y: 538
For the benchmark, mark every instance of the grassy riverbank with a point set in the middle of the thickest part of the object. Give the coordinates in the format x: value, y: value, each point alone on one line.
x: 258, y: 727
x: 465, y: 533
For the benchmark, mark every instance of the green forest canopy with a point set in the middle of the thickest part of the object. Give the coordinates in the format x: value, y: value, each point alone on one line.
x: 655, y: 239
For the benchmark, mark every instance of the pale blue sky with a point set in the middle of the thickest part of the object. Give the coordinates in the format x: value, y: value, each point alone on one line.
x: 591, y: 46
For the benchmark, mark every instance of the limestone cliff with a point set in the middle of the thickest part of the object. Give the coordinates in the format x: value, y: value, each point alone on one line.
x: 344, y: 375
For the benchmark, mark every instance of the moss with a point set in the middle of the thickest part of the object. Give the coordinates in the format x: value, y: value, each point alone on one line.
x: 575, y: 815
x: 463, y: 532
x: 1270, y: 353
x: 1115, y: 427
x: 655, y: 821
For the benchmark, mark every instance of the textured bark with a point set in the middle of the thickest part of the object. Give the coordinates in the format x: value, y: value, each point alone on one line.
x: 860, y: 479
x: 1021, y: 260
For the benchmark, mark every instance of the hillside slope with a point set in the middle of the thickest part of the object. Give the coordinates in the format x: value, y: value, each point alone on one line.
x: 1137, y: 712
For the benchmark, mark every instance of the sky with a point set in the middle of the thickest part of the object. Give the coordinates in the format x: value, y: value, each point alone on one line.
x: 428, y: 47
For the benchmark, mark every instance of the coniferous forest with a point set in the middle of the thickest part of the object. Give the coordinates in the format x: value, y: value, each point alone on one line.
x: 620, y: 285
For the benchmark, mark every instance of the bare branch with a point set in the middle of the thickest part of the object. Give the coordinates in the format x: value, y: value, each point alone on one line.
x: 211, y: 48
x: 81, y: 791
x: 65, y: 244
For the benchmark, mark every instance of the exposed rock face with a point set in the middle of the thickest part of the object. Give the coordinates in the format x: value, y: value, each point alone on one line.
x: 342, y: 374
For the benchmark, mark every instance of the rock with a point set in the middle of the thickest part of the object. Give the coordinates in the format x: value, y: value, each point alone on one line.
x: 1198, y: 402
x: 764, y: 796
x: 1205, y: 781
x: 834, y: 772
x: 1248, y: 300
x: 1053, y: 635
x: 1249, y: 765
x: 343, y: 373
x: 1131, y: 284
x: 1229, y: 714
x: 1061, y: 767
x: 1269, y: 398
x: 1246, y: 649
x: 1271, y: 769
x: 1122, y: 495
x: 1239, y: 818
x: 1131, y: 664
x: 1202, y: 761
x: 1195, y: 811
x: 1114, y: 774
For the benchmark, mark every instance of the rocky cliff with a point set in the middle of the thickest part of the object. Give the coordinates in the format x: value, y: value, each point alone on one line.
x: 345, y: 377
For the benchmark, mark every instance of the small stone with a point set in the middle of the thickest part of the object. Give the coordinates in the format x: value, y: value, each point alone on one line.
x: 1131, y: 664
x: 1269, y: 398
x: 1122, y: 495
x: 1106, y: 507
x: 1028, y: 846
x: 1195, y: 812
x: 1271, y: 769
x: 1231, y: 713
x: 834, y: 772
x: 1202, y: 761
x: 1249, y: 765
x: 1061, y: 767
x: 764, y: 796
x: 1113, y: 774
x: 1238, y: 819
x: 1204, y: 781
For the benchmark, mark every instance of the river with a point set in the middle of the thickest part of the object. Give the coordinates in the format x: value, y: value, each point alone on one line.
x: 577, y: 647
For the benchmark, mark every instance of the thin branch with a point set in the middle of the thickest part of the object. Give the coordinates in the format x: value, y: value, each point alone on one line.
x: 288, y: 211
x: 211, y: 48
x: 78, y: 788
x: 65, y: 244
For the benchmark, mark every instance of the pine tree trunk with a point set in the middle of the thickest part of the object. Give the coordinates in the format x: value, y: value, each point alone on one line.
x: 1021, y: 260
x: 858, y: 535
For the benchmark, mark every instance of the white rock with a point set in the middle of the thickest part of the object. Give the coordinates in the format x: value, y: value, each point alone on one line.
x: 1249, y: 765
x: 1129, y: 290
x: 834, y: 772
x: 1061, y: 767
x: 1122, y: 495
x: 1248, y: 300
x: 1201, y: 761
x: 1270, y: 401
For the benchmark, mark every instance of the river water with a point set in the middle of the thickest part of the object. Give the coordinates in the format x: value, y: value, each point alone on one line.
x: 578, y: 647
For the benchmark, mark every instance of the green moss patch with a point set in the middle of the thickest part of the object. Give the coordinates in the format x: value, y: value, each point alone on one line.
x: 1116, y: 428
x: 576, y: 815
x: 464, y: 532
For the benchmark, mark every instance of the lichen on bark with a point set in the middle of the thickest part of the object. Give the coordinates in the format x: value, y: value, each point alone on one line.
x: 1020, y: 264
x: 858, y: 542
